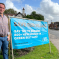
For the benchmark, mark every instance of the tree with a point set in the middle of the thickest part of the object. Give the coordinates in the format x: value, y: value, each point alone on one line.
x: 33, y: 15
x: 10, y: 11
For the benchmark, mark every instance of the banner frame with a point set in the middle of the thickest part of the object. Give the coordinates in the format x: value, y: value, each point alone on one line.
x: 27, y: 19
x: 11, y: 41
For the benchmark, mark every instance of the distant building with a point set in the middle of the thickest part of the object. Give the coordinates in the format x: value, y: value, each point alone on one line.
x: 54, y: 25
x: 19, y: 14
x: 51, y: 25
x: 23, y: 12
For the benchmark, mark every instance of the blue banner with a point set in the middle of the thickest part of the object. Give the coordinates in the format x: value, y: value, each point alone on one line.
x: 28, y: 33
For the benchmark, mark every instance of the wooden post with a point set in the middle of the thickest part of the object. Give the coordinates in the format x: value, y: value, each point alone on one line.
x: 49, y: 39
x: 12, y: 50
x: 50, y: 46
x: 11, y: 41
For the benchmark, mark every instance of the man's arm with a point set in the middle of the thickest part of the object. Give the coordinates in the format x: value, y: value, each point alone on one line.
x: 8, y: 37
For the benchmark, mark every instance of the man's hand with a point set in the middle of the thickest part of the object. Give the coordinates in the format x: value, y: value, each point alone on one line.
x: 8, y: 37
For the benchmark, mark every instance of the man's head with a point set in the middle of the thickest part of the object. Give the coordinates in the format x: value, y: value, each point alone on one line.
x: 2, y: 8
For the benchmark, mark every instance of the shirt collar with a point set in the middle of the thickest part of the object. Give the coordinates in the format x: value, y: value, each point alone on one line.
x: 1, y: 16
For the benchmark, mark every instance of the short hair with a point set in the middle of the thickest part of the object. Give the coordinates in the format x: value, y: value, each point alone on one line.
x: 3, y: 4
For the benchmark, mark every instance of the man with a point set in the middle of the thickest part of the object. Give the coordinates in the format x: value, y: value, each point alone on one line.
x: 4, y: 32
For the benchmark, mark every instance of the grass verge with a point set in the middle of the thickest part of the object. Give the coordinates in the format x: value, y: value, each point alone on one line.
x: 42, y: 52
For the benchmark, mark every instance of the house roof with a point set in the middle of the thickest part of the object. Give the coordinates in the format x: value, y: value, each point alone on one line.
x: 18, y: 13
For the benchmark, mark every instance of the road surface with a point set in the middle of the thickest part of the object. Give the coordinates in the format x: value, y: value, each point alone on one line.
x: 54, y: 37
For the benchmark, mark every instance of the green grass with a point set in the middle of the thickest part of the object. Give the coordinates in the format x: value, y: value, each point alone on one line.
x: 42, y: 52
x: 1, y: 57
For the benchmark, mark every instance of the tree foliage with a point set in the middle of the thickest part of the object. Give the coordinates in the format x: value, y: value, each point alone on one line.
x: 33, y: 15
x: 10, y: 11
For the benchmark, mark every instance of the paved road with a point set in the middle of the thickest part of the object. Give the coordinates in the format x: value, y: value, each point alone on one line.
x: 54, y: 32
x: 54, y: 37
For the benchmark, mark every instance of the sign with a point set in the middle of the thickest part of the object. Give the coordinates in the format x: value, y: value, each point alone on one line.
x: 28, y: 33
